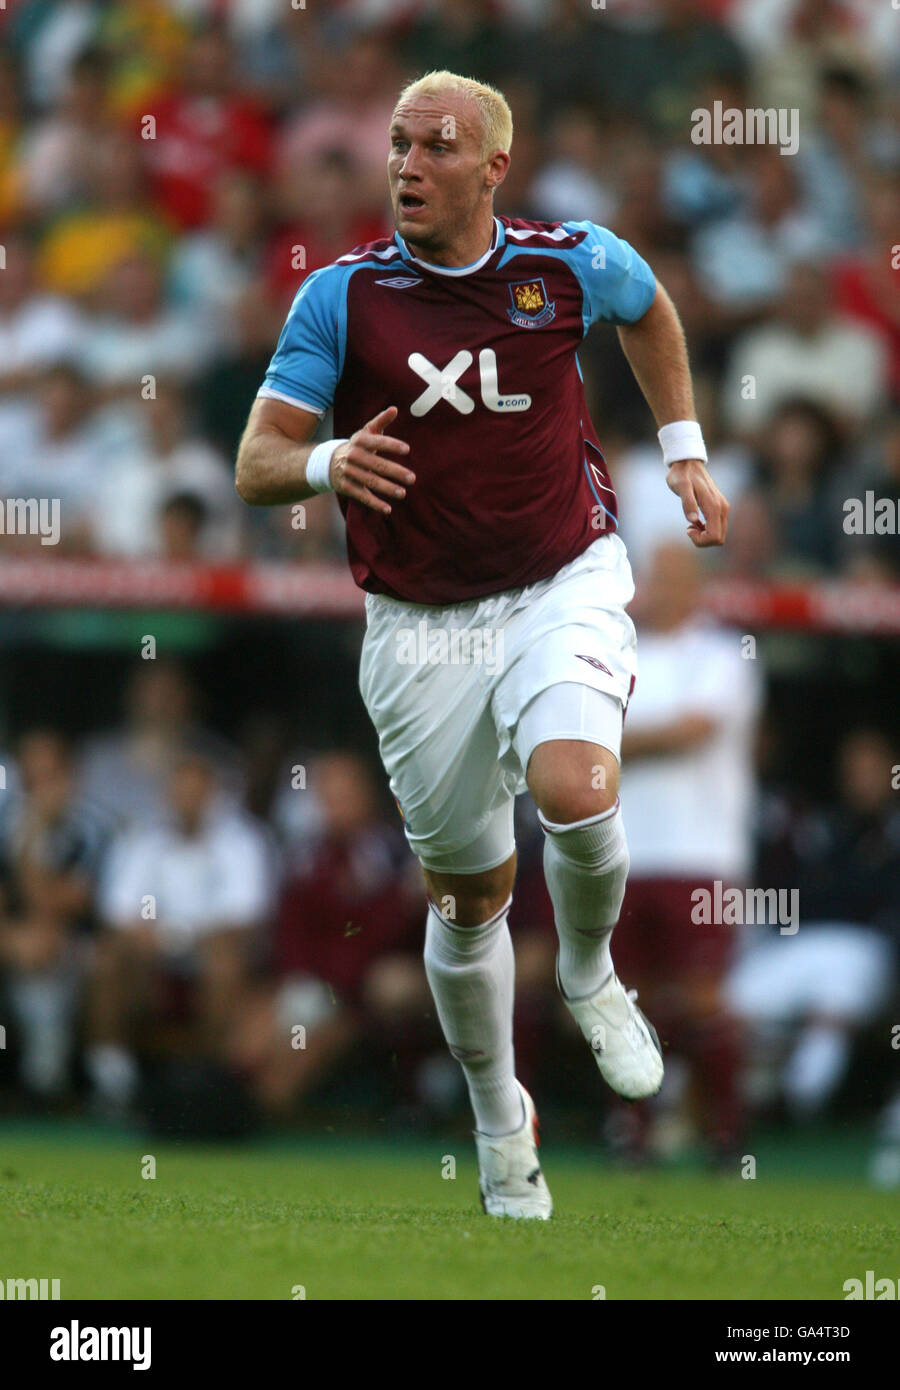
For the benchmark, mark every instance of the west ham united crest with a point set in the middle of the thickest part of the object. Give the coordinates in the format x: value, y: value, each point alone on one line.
x: 529, y: 304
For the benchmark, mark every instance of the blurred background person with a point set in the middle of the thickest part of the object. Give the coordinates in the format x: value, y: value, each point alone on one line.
x: 799, y: 472
x: 126, y: 771
x: 61, y: 458
x: 806, y: 350
x: 136, y: 336
x: 204, y: 125
x: 182, y: 905
x: 37, y: 329
x: 51, y: 849
x: 169, y: 460
x: 687, y: 790
x: 805, y: 997
x: 346, y: 950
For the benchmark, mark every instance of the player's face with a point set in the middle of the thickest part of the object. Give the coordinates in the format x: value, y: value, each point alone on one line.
x: 436, y: 169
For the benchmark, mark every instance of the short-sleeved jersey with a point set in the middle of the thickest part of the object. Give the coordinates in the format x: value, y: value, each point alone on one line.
x: 481, y: 362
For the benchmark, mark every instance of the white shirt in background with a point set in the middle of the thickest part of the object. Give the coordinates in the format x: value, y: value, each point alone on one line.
x: 689, y: 815
x: 201, y: 883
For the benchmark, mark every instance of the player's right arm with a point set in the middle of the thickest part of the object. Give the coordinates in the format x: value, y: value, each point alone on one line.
x: 298, y: 390
x: 275, y: 448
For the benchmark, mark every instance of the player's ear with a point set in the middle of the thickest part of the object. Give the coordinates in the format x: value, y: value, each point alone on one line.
x: 496, y: 169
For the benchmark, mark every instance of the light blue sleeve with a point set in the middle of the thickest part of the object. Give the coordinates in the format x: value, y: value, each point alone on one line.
x: 307, y: 362
x: 618, y: 284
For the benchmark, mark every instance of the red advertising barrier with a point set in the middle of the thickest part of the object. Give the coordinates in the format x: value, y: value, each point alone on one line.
x: 328, y: 591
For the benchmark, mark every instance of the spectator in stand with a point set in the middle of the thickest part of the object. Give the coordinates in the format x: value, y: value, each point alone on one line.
x: 36, y: 328
x: 687, y: 790
x: 204, y: 126
x: 51, y: 846
x: 875, y: 556
x: 662, y: 62
x: 867, y: 285
x: 791, y: 42
x: 58, y: 154
x: 182, y: 905
x: 642, y: 216
x: 346, y: 952
x: 137, y: 334
x: 833, y: 158
x: 359, y: 84
x: 170, y: 460
x: 744, y: 260
x: 574, y: 182
x: 125, y: 772
x: 800, y: 471
x: 225, y: 392
x: 805, y: 996
x: 324, y: 214
x: 809, y: 350
x: 214, y: 267
x: 703, y: 184
x: 182, y: 523
x: 112, y: 222
x: 61, y: 460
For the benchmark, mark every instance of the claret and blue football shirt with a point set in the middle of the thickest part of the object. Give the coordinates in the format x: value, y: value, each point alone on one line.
x: 481, y: 362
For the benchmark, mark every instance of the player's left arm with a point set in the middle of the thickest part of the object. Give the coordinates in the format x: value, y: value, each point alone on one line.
x: 657, y: 353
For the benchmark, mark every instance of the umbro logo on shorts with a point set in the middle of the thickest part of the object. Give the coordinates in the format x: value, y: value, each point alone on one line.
x: 592, y: 661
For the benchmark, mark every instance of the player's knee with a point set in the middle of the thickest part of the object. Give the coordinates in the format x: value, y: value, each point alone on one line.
x: 577, y: 799
x: 573, y: 781
x: 469, y: 900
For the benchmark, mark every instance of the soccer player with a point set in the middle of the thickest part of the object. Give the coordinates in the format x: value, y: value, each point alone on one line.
x: 498, y: 654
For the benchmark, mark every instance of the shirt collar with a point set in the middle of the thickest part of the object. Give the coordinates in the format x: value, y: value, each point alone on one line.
x: 497, y: 239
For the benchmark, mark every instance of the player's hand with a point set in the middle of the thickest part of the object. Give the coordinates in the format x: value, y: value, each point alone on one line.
x: 359, y: 470
x: 705, y: 509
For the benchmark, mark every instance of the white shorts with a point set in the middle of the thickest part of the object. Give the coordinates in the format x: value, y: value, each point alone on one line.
x: 461, y: 695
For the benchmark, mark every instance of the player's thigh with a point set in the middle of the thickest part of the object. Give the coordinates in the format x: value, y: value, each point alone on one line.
x: 570, y: 669
x: 438, y: 743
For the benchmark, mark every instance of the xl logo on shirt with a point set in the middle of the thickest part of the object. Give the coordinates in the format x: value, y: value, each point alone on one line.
x: 443, y: 384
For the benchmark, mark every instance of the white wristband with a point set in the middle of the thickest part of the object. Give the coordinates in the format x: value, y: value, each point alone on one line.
x: 318, y: 465
x: 683, y: 439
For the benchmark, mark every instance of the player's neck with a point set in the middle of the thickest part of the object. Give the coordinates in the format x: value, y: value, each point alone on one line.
x: 465, y: 251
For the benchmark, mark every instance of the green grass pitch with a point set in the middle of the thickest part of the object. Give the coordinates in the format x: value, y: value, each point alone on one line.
x: 345, y: 1220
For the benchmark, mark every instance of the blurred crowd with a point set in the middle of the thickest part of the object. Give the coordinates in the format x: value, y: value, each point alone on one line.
x: 170, y: 170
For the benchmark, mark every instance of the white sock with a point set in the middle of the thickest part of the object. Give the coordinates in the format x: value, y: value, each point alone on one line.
x: 471, y: 973
x: 585, y: 866
x: 112, y: 1070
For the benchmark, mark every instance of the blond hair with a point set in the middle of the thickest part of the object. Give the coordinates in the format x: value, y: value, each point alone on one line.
x: 493, y: 108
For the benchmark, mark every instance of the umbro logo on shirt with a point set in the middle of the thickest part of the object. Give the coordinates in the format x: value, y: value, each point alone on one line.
x: 400, y: 282
x: 592, y: 661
